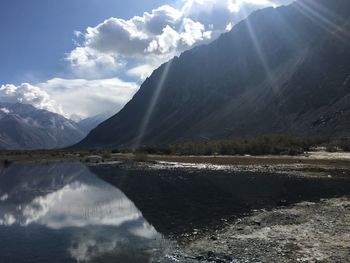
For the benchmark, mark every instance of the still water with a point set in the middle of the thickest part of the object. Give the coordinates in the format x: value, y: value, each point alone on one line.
x: 66, y: 212
x: 61, y: 212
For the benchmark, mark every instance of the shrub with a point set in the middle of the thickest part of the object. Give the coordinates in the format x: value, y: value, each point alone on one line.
x: 140, y: 157
x: 331, y: 148
x: 261, y: 145
x: 345, y: 145
x: 106, y: 156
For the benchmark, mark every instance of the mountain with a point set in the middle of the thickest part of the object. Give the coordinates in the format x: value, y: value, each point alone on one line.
x: 282, y: 70
x: 91, y: 123
x: 23, y: 126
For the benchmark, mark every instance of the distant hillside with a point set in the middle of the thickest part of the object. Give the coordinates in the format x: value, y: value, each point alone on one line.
x: 91, y: 123
x: 282, y: 70
x: 26, y: 127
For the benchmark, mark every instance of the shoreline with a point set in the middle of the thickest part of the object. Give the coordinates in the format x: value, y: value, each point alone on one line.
x: 316, y: 164
x: 303, y: 232
x: 314, y: 158
x: 319, y: 164
x: 310, y: 158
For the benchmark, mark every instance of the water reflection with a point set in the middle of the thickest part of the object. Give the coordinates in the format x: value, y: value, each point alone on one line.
x: 81, y: 216
x: 177, y: 201
x: 62, y: 212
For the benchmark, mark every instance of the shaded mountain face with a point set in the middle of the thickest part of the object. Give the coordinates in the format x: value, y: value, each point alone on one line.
x: 23, y: 126
x: 282, y: 70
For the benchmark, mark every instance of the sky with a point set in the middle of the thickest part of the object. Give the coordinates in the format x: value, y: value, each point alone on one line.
x: 80, y: 58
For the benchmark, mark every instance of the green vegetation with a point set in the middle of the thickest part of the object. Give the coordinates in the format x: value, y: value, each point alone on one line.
x: 262, y: 145
x: 340, y: 144
x: 345, y: 145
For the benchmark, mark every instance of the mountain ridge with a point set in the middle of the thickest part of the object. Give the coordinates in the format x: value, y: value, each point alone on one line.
x: 280, y: 70
x: 24, y: 127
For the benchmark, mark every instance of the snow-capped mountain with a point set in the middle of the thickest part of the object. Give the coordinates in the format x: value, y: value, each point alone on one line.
x: 23, y: 126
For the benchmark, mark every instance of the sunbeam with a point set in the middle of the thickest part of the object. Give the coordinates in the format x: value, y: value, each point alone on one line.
x: 322, y: 17
x: 314, y: 11
x: 260, y: 53
x: 147, y: 117
x: 152, y: 105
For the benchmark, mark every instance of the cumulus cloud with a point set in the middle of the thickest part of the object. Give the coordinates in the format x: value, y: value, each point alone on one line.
x: 139, y: 45
x: 118, y: 48
x: 72, y: 97
x: 90, y: 63
x: 89, y: 97
x: 29, y: 94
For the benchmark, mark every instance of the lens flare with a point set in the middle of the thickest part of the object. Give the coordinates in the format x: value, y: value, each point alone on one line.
x: 323, y: 18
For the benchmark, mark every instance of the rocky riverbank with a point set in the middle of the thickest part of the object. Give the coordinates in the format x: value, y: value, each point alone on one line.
x: 305, y: 232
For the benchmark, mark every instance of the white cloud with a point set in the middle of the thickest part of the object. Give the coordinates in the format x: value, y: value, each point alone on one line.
x: 142, y: 71
x: 76, y: 96
x: 139, y: 45
x: 89, y: 97
x: 119, y: 48
x: 28, y: 94
x: 6, y: 111
x: 89, y: 63
x: 5, y: 196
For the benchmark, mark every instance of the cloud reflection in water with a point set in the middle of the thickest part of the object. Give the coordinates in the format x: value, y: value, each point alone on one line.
x: 100, y: 218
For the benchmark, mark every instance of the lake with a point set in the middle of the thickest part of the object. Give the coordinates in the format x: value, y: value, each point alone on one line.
x: 67, y: 212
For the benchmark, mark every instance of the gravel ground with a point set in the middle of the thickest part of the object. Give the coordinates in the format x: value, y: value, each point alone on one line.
x: 305, y: 232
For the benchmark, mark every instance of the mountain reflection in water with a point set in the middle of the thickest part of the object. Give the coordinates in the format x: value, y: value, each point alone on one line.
x: 61, y: 212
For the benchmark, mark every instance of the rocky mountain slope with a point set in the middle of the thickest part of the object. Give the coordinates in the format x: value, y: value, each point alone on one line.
x: 282, y: 70
x: 26, y: 127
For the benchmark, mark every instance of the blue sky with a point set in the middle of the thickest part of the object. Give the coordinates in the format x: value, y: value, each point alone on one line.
x: 37, y: 33
x: 85, y: 57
